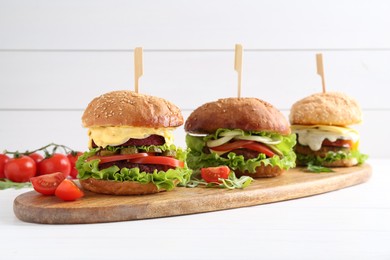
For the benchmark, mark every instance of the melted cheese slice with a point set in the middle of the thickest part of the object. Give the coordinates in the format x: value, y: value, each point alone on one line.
x: 114, y: 135
x: 314, y: 135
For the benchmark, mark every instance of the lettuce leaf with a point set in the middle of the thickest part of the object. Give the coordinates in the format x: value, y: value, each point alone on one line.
x: 331, y: 157
x: 162, y: 179
x: 197, y: 159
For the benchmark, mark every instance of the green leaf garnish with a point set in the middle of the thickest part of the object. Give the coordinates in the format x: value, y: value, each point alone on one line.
x: 318, y: 169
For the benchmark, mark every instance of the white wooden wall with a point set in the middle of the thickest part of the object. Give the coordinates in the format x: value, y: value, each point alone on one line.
x: 55, y: 56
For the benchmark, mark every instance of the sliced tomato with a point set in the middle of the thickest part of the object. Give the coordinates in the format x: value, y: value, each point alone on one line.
x: 164, y: 160
x: 214, y: 174
x: 48, y: 183
x: 260, y: 148
x: 68, y: 191
x: 119, y: 157
x: 338, y: 143
x: 251, y: 145
x: 232, y: 145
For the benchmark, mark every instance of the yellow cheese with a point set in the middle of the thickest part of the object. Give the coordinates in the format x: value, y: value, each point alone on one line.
x: 314, y: 135
x: 114, y: 135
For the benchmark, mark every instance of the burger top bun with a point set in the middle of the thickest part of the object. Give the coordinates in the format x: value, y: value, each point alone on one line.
x: 127, y: 108
x: 330, y: 108
x: 248, y: 114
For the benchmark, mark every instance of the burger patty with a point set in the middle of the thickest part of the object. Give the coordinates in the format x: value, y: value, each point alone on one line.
x: 305, y: 150
x: 149, y: 168
x: 151, y: 140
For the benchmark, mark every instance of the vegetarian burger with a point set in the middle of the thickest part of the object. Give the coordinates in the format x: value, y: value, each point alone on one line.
x: 321, y: 123
x: 248, y: 135
x: 131, y: 145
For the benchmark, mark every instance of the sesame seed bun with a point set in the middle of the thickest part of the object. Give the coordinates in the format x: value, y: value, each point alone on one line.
x: 330, y: 108
x: 248, y: 114
x: 127, y: 108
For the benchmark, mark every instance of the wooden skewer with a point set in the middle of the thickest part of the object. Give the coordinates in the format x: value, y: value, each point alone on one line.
x: 138, y: 67
x: 320, y: 70
x: 238, y: 66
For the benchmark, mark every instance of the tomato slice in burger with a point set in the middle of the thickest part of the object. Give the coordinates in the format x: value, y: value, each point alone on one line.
x: 119, y: 157
x: 338, y: 143
x: 163, y: 160
x: 251, y: 145
x: 48, y: 183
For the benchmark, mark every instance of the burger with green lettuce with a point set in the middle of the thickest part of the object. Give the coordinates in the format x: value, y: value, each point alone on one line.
x: 131, y: 145
x: 248, y: 135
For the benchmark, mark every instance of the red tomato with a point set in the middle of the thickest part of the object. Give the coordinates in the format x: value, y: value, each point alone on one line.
x: 164, y: 160
x: 36, y: 157
x: 72, y: 157
x: 119, y: 157
x: 251, y: 145
x: 20, y: 169
x: 213, y: 174
x: 338, y: 143
x: 68, y: 191
x: 3, y: 159
x: 56, y: 163
x: 48, y: 183
x: 261, y: 148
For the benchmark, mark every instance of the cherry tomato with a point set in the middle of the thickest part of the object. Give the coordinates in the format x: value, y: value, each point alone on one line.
x: 3, y: 159
x: 56, y: 163
x: 213, y: 174
x: 72, y: 157
x: 48, y: 183
x: 20, y: 169
x: 164, y: 160
x: 36, y: 157
x: 68, y: 191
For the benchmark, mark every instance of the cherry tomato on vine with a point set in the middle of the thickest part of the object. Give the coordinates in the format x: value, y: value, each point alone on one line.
x: 68, y: 191
x: 56, y: 163
x: 36, y: 157
x: 72, y: 157
x: 3, y: 159
x: 20, y: 169
x: 48, y: 183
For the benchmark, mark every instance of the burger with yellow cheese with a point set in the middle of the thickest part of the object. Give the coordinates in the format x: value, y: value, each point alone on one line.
x: 131, y: 145
x: 324, y: 137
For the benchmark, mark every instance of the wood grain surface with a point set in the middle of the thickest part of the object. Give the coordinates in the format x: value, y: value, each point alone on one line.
x: 97, y: 208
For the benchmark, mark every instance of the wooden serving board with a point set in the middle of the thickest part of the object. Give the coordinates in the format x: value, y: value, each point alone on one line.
x: 97, y: 208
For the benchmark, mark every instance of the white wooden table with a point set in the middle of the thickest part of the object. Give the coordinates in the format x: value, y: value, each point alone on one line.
x: 352, y: 223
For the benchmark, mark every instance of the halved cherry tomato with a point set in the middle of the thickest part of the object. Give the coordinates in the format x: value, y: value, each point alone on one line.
x: 68, y: 191
x: 214, y: 174
x: 3, y: 159
x: 20, y: 169
x: 56, y: 163
x: 251, y: 145
x: 338, y: 143
x: 164, y: 160
x: 72, y: 157
x: 119, y: 157
x: 48, y: 183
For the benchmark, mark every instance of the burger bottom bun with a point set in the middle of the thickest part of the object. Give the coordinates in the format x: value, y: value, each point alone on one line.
x: 119, y: 188
x: 339, y: 163
x: 262, y: 171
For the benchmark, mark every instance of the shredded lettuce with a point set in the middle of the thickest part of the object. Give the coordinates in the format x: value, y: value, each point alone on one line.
x: 197, y: 159
x: 331, y: 157
x: 162, y: 179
